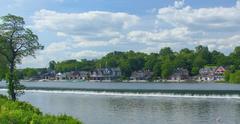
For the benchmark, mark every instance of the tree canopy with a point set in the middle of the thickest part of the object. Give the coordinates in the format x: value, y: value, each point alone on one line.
x: 162, y: 64
x: 16, y: 42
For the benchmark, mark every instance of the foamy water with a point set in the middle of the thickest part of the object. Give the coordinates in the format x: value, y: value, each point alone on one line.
x: 128, y: 94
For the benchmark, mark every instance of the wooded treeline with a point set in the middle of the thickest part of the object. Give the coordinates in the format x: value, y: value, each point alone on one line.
x: 162, y: 64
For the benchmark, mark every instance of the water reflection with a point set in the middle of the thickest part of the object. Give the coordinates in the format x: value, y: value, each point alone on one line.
x: 174, y: 110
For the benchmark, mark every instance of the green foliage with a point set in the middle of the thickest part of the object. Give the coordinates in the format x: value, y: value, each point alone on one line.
x: 3, y: 67
x: 235, y: 59
x: 227, y: 76
x: 167, y: 68
x: 195, y: 70
x: 29, y: 72
x: 18, y: 89
x: 184, y: 59
x: 3, y: 62
x: 52, y: 65
x: 157, y: 69
x: 16, y: 42
x: 234, y: 77
x: 202, y: 57
x: 152, y: 61
x: 162, y: 64
x: 24, y: 113
x: 127, y: 61
x: 166, y: 53
x: 219, y: 59
x: 72, y: 65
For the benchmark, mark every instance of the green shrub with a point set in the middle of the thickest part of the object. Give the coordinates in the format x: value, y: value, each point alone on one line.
x: 24, y: 113
x: 227, y: 75
x: 235, y: 77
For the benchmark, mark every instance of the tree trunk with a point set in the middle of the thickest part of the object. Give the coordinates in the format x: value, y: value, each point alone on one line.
x: 11, y: 86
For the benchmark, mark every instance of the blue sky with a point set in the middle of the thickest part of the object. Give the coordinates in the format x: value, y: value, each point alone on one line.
x: 78, y: 29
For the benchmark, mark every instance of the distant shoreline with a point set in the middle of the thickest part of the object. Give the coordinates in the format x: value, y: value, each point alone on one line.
x: 173, y: 88
x: 128, y: 81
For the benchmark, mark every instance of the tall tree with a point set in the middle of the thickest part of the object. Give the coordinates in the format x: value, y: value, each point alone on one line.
x: 219, y: 58
x: 52, y: 65
x: 18, y: 42
x: 167, y: 53
x: 184, y: 59
x: 235, y: 58
x: 167, y: 68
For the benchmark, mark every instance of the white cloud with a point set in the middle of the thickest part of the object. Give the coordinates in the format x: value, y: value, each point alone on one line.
x: 164, y: 36
x: 221, y: 43
x: 56, y: 47
x: 206, y: 19
x: 61, y: 34
x: 182, y: 26
x: 93, y: 26
x: 57, y: 51
x: 83, y: 23
x: 238, y: 4
x: 179, y: 3
x: 87, y: 54
x: 83, y: 42
x: 80, y: 31
x: 89, y: 34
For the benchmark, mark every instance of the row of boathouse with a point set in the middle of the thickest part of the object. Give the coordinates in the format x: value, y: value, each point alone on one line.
x: 180, y: 74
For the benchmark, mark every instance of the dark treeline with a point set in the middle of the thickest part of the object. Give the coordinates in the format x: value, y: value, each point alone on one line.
x: 162, y: 64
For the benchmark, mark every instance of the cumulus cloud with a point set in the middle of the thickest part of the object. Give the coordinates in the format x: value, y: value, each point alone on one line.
x: 90, y: 26
x: 238, y: 4
x: 181, y: 24
x: 57, y: 47
x: 81, y: 31
x: 87, y: 54
x: 207, y: 19
x: 82, y: 42
x: 83, y: 23
x: 61, y: 34
x: 88, y: 34
x: 220, y: 43
x: 164, y: 36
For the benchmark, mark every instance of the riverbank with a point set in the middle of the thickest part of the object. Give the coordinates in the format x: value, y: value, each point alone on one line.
x: 24, y: 113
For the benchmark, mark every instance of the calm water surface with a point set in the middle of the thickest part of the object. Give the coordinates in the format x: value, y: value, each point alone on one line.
x: 131, y: 108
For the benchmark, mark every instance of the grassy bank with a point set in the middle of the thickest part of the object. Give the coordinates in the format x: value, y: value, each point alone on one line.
x: 24, y: 113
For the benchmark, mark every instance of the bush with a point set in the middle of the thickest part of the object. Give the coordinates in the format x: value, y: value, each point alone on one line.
x: 227, y: 75
x: 23, y: 113
x: 235, y: 77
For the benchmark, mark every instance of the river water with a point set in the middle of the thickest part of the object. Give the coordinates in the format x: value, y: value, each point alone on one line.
x: 101, y: 107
